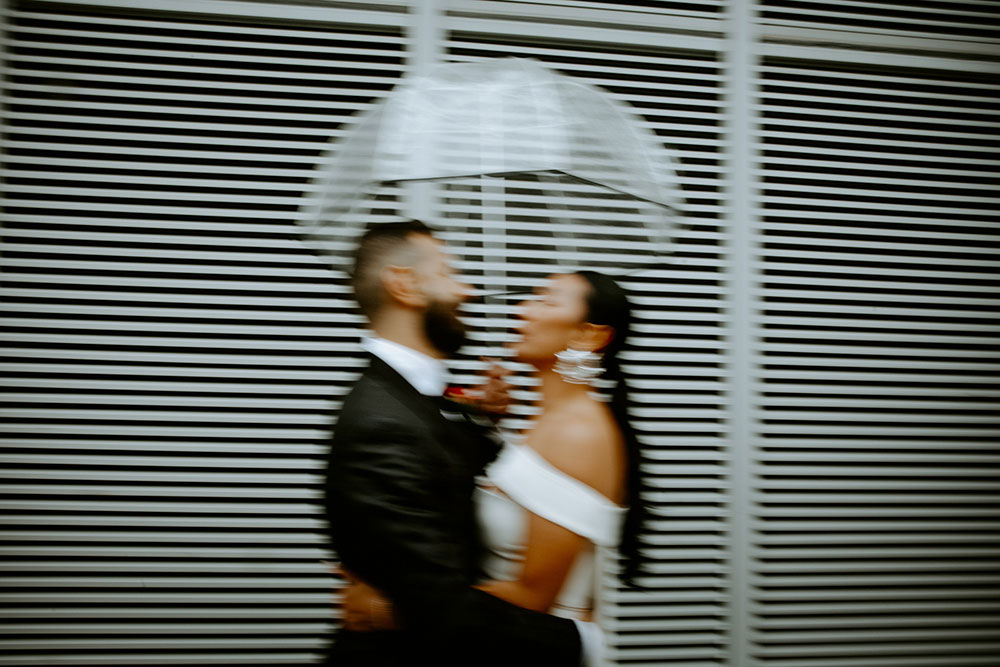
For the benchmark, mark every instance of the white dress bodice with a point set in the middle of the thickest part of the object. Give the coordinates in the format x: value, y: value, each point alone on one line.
x: 521, y: 481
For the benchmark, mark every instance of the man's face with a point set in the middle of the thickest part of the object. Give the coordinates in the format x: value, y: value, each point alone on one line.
x: 445, y: 294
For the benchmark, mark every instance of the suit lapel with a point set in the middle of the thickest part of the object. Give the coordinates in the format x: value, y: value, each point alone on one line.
x: 451, y: 438
x: 406, y: 393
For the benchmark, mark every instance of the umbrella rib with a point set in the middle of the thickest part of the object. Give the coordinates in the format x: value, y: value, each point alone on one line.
x: 587, y: 181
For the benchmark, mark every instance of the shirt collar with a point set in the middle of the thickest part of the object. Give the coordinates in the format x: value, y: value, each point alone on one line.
x: 428, y: 375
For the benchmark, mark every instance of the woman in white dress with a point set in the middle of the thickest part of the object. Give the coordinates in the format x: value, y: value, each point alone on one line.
x: 552, y: 506
x: 557, y: 500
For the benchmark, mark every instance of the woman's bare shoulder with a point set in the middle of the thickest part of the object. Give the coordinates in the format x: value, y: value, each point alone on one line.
x: 585, y: 445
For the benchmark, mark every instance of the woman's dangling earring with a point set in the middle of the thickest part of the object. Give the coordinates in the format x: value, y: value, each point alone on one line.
x: 578, y: 366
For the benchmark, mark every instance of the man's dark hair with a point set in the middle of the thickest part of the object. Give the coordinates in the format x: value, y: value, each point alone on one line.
x: 382, y: 244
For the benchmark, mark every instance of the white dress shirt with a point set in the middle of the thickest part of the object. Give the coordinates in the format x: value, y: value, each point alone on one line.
x: 428, y: 375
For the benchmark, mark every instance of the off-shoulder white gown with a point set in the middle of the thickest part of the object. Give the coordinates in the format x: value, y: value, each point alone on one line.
x: 522, y: 481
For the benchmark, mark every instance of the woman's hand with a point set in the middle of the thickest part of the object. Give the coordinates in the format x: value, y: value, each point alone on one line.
x: 365, y: 608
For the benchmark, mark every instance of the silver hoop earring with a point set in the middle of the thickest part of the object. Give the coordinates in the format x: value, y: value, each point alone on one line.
x: 578, y: 366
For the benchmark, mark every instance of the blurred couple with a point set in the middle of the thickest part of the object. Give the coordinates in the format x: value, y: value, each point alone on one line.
x: 461, y: 549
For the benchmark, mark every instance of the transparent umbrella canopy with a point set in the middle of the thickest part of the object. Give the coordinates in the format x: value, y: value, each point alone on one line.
x: 523, y: 171
x: 536, y: 169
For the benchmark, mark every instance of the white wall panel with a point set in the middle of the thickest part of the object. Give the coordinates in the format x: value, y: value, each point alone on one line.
x: 874, y: 509
x: 172, y: 350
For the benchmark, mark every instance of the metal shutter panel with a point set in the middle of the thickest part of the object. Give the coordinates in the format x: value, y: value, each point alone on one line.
x: 875, y: 456
x: 172, y: 350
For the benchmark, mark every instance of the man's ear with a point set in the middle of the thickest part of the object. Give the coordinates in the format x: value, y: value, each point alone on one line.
x: 593, y: 337
x: 401, y: 286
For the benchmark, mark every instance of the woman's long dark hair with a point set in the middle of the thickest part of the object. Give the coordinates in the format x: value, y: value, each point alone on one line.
x: 608, y: 304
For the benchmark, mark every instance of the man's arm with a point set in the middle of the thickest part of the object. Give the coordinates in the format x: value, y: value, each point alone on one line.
x: 390, y: 528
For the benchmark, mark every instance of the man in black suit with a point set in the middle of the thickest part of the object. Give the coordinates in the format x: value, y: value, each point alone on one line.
x: 400, y: 478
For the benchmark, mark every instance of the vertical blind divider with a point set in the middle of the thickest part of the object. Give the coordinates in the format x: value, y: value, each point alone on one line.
x: 741, y: 113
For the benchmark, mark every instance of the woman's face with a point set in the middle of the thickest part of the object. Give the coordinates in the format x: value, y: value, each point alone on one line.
x: 553, y: 321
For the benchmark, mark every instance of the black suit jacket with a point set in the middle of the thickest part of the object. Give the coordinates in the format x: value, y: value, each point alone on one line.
x: 399, y: 488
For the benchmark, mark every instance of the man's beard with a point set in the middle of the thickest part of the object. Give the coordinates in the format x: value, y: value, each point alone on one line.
x: 444, y: 330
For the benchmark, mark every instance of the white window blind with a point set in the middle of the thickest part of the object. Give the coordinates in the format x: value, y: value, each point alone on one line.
x: 875, y: 486
x: 824, y: 497
x: 171, y: 349
x: 952, y: 19
x: 673, y: 8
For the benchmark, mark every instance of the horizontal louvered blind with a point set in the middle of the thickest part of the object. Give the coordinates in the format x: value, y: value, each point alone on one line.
x: 703, y: 8
x: 172, y: 351
x: 877, y: 463
x: 674, y: 360
x: 955, y: 19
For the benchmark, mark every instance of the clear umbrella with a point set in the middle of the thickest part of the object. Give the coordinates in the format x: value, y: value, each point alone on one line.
x: 602, y: 186
x: 524, y: 171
